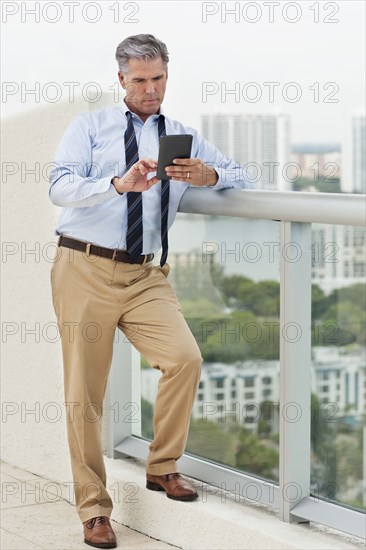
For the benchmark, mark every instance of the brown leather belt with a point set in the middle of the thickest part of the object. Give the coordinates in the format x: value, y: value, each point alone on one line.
x: 113, y: 254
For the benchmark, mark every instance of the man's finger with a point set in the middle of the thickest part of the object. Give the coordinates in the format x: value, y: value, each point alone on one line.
x: 180, y: 169
x: 181, y: 175
x: 145, y: 169
x: 149, y: 162
x: 188, y: 162
x: 152, y: 181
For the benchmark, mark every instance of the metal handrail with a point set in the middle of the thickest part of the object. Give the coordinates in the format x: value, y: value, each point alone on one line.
x: 331, y: 208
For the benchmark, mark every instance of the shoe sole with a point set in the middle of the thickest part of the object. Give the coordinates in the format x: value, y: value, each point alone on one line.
x: 101, y: 545
x: 155, y: 487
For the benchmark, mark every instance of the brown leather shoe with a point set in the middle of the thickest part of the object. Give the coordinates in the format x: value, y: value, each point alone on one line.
x: 99, y: 533
x: 175, y: 486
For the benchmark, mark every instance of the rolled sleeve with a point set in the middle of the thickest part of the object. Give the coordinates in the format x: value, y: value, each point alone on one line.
x: 75, y: 181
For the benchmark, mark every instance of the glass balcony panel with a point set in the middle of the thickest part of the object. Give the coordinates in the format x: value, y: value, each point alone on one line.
x: 226, y: 275
x: 338, y: 364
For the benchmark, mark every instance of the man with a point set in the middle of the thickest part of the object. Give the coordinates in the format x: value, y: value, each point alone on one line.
x: 115, y: 216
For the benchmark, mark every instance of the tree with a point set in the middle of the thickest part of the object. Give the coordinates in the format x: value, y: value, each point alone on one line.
x: 355, y: 293
x: 322, y: 430
x: 349, y: 317
x: 261, y: 298
x: 254, y: 457
x: 318, y: 302
x: 229, y: 286
x: 247, y: 296
x: 209, y: 440
x: 268, y: 419
x: 147, y: 413
x: 322, y: 437
x: 199, y: 307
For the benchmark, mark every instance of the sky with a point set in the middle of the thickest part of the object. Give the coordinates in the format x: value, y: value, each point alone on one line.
x: 305, y: 59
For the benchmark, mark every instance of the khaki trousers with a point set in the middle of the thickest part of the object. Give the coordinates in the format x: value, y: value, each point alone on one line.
x: 91, y: 297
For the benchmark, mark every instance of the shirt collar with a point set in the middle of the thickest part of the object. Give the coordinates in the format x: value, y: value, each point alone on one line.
x: 153, y: 118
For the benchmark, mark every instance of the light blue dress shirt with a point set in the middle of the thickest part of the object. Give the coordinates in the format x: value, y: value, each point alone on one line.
x: 92, y: 151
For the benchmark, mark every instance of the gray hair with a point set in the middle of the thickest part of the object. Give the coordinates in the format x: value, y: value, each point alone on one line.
x: 140, y: 46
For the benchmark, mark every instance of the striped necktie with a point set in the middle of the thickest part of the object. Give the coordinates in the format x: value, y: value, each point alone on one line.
x: 165, y: 189
x: 134, y: 199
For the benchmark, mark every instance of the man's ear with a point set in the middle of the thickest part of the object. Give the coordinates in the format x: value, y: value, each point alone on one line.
x: 122, y: 80
x: 166, y: 71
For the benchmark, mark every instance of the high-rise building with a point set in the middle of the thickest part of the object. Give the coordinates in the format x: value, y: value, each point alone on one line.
x: 323, y: 166
x: 354, y: 180
x: 338, y: 256
x: 258, y: 142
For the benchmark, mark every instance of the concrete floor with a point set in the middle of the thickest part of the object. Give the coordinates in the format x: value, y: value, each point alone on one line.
x: 35, y: 515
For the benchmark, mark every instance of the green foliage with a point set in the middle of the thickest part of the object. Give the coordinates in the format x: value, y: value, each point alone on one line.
x: 356, y: 294
x: 261, y: 298
x: 204, y: 291
x: 269, y: 410
x: 193, y: 278
x: 209, y: 440
x: 329, y: 333
x: 348, y: 317
x: 322, y: 430
x: 319, y: 302
x: 229, y: 287
x: 255, y: 457
x: 337, y: 454
x: 240, y: 334
x: 199, y: 307
x: 251, y: 329
x: 339, y: 319
x: 147, y: 413
x: 235, y: 447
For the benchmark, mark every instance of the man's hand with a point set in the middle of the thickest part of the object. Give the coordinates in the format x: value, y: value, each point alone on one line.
x: 192, y: 171
x: 136, y: 177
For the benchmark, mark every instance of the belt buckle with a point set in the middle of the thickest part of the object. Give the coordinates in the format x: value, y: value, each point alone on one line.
x: 114, y: 255
x: 148, y: 258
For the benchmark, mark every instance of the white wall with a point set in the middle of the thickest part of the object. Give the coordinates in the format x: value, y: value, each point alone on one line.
x: 31, y: 368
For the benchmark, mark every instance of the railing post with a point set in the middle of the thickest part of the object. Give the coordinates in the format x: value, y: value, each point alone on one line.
x: 295, y: 359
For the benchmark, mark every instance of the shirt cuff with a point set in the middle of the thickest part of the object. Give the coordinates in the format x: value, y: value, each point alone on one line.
x: 220, y: 184
x: 112, y: 191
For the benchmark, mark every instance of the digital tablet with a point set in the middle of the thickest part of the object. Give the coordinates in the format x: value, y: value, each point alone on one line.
x: 172, y: 147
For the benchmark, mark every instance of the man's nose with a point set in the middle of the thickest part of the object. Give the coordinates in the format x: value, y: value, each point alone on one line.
x: 150, y: 87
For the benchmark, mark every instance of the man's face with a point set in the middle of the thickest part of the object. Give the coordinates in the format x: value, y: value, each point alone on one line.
x: 145, y: 83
